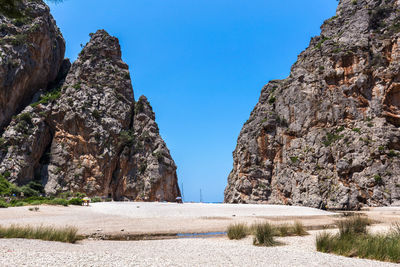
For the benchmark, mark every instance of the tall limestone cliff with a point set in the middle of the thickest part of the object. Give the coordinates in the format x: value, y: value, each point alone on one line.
x: 31, y: 52
x: 84, y: 132
x: 328, y: 136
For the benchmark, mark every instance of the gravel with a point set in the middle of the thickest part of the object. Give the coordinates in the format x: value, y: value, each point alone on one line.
x: 154, y: 217
x: 298, y: 251
x: 145, y: 218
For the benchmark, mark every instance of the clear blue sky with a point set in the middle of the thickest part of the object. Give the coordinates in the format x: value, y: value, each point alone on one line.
x: 201, y: 64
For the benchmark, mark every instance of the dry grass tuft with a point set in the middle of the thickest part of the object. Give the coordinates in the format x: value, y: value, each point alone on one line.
x: 353, y: 240
x: 237, y: 231
x: 66, y: 234
x: 264, y: 235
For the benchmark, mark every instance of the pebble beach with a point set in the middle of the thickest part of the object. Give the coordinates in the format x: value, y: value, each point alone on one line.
x: 152, y: 218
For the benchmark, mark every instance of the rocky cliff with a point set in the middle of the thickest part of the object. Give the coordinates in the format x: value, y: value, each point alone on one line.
x: 328, y: 136
x: 83, y: 130
x: 31, y: 52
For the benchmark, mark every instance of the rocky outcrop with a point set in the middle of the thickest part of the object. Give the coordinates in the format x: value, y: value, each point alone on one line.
x: 146, y: 170
x: 31, y: 53
x: 328, y: 136
x: 87, y: 134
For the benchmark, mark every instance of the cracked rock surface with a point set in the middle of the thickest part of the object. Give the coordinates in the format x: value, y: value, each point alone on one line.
x: 83, y: 130
x: 328, y: 135
x: 31, y: 53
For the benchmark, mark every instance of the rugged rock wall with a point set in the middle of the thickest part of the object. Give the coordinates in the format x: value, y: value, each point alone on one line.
x: 328, y: 136
x: 31, y: 52
x: 146, y: 170
x: 85, y: 133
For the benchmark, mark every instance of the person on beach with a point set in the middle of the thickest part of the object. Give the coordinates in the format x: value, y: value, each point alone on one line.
x: 86, y: 201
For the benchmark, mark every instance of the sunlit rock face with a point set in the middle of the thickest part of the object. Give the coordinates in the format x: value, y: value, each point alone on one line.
x: 328, y: 136
x: 77, y: 127
x: 31, y: 53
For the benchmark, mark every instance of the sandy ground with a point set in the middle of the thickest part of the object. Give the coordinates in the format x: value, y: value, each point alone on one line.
x: 191, y: 210
x: 297, y: 251
x: 147, y: 218
x: 387, y: 215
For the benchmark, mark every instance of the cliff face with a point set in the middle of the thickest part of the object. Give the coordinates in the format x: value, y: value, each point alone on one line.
x: 31, y: 52
x: 146, y: 170
x: 85, y: 133
x: 328, y: 136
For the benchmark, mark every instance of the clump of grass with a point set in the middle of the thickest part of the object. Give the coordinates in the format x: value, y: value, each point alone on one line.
x: 237, y: 231
x: 298, y: 229
x: 264, y: 235
x: 66, y: 234
x: 396, y: 228
x: 282, y: 230
x: 324, y: 242
x: 34, y: 209
x: 370, y: 246
x: 353, y: 240
x: 353, y: 225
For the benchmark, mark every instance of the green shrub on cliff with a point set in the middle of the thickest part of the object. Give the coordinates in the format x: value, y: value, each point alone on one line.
x: 126, y: 138
x: 48, y: 97
x: 10, y: 9
x: 3, y: 204
x: 32, y: 189
x: 7, y: 188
